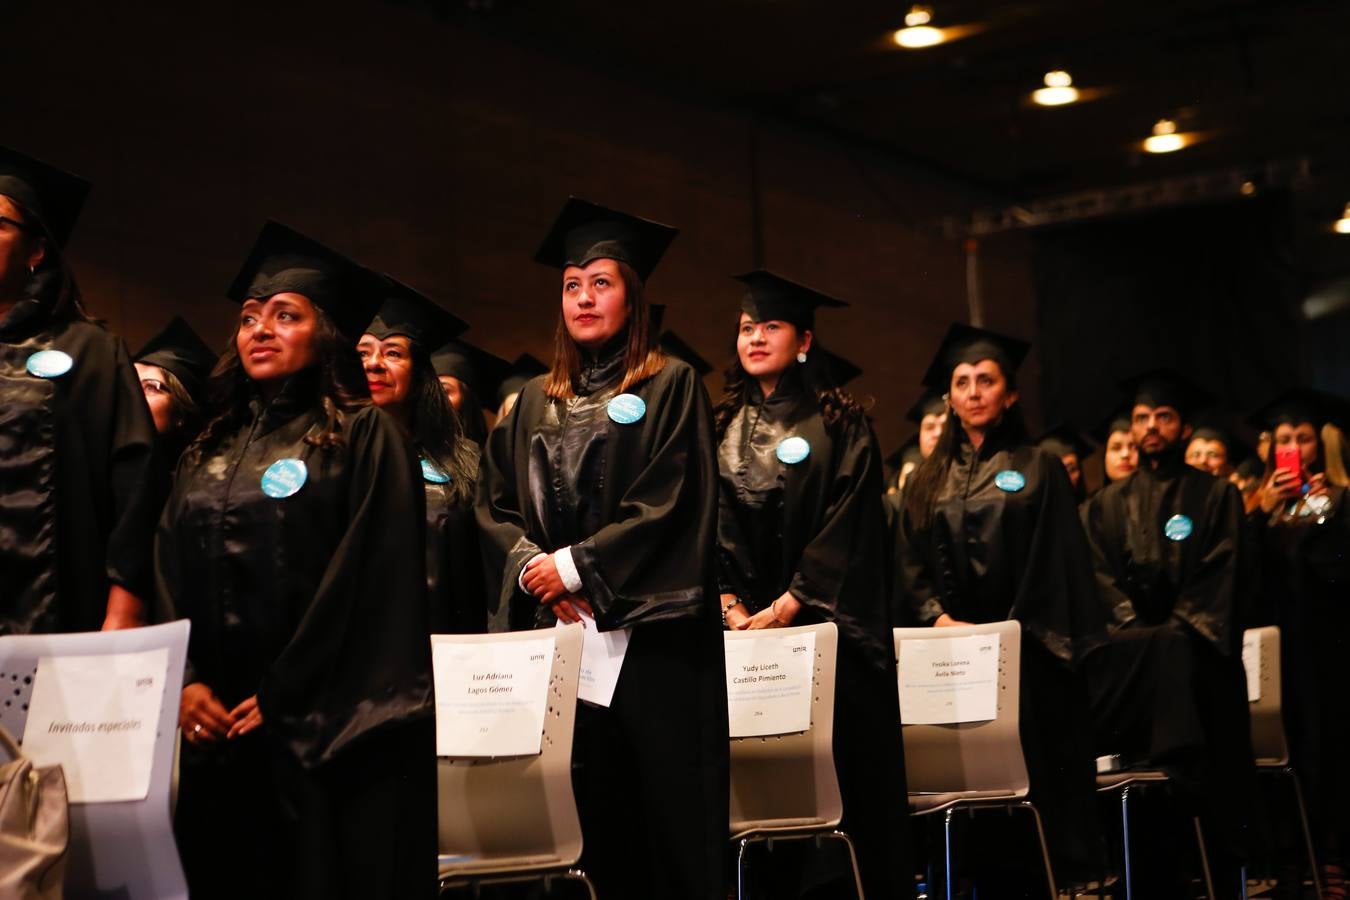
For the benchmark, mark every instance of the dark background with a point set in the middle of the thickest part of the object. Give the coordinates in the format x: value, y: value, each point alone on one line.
x: 437, y: 140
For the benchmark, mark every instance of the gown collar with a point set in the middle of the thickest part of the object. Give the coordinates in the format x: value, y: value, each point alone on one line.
x: 604, y: 367
x: 299, y: 393
x: 786, y: 394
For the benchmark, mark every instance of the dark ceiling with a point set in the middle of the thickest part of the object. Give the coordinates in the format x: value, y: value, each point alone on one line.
x: 1261, y: 82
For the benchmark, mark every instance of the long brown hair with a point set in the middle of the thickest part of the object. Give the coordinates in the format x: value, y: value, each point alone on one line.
x: 340, y: 389
x: 641, y: 361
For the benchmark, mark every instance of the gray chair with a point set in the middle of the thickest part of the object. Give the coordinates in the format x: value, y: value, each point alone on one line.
x: 1268, y: 739
x: 120, y: 850
x: 784, y: 787
x: 513, y: 820
x: 1128, y: 782
x: 972, y: 766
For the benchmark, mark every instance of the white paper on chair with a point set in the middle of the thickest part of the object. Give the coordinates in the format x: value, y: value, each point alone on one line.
x: 97, y: 716
x: 491, y: 697
x: 946, y: 680
x: 769, y: 683
x: 1251, y: 663
x: 602, y: 654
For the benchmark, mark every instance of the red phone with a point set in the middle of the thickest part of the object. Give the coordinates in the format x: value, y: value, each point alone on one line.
x: 1287, y: 457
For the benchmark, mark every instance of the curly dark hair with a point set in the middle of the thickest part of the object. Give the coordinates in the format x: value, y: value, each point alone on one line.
x: 340, y: 390
x: 837, y: 406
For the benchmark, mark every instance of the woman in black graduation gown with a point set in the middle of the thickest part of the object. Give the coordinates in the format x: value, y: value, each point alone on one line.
x: 1306, y: 556
x: 991, y: 532
x: 292, y: 541
x: 801, y: 540
x: 600, y: 494
x: 403, y: 383
x: 78, y: 470
x: 173, y: 367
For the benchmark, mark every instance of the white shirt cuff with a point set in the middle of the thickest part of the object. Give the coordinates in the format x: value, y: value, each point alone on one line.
x: 567, y: 570
x: 520, y: 579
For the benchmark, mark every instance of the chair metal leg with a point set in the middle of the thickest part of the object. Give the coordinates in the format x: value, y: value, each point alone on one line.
x: 853, y: 859
x: 1126, y: 864
x: 1045, y: 848
x: 1307, y: 831
x: 1204, y: 861
x: 1242, y: 886
x: 947, y: 851
x: 579, y: 875
x: 740, y: 868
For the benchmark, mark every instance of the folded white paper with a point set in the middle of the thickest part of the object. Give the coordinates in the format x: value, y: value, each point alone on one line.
x: 946, y: 680
x: 602, y: 654
x: 769, y: 680
x: 1251, y: 664
x: 97, y: 716
x: 491, y: 697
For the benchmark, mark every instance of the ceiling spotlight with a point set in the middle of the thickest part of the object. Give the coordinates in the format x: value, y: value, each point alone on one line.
x: 1164, y: 138
x: 1058, y: 89
x: 917, y: 31
x: 1342, y: 225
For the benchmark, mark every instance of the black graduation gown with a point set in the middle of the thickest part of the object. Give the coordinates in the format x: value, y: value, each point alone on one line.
x: 1185, y: 586
x: 79, y: 476
x: 637, y: 504
x: 316, y: 603
x: 456, y: 586
x: 815, y: 528
x: 992, y: 554
x: 1307, y: 578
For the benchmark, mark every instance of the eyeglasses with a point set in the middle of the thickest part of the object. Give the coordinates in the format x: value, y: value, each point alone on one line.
x: 152, y: 387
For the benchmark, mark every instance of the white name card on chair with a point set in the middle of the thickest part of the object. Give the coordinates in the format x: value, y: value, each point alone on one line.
x: 947, y: 680
x: 491, y: 698
x: 1251, y: 664
x: 97, y: 716
x: 769, y: 682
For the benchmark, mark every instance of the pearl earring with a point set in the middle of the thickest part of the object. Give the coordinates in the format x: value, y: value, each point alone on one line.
x: 801, y: 357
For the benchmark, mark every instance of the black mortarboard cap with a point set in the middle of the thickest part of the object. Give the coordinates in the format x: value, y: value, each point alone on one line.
x: 838, y: 371
x: 53, y: 196
x: 678, y: 347
x: 1165, y: 387
x: 968, y: 344
x: 410, y: 313
x: 930, y: 404
x: 773, y: 297
x: 180, y: 350
x: 1299, y: 405
x: 1117, y: 420
x: 285, y: 261
x: 585, y: 232
x: 526, y: 366
x: 482, y: 372
x: 1063, y: 440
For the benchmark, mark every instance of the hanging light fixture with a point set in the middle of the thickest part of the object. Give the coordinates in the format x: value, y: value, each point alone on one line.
x: 1164, y: 138
x: 1342, y: 225
x: 918, y: 31
x: 1058, y: 89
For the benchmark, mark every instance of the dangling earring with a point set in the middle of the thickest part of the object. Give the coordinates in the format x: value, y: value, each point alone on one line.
x: 801, y: 357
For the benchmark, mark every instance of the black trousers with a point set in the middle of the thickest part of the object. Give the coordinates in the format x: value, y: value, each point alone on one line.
x: 252, y: 822
x: 651, y: 770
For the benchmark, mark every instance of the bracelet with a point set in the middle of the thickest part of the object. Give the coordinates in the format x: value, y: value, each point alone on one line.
x: 726, y: 607
x: 773, y: 611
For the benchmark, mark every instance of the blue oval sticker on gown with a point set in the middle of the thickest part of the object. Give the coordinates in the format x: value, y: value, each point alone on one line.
x: 49, y: 363
x: 626, y: 409
x: 1010, y: 481
x: 284, y: 478
x: 793, y: 450
x: 432, y: 472
x: 1178, y: 528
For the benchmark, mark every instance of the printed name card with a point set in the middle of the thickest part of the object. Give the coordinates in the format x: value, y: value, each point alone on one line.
x: 491, y: 697
x: 1251, y: 663
x: 97, y: 716
x: 602, y: 654
x: 769, y: 682
x: 944, y: 681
